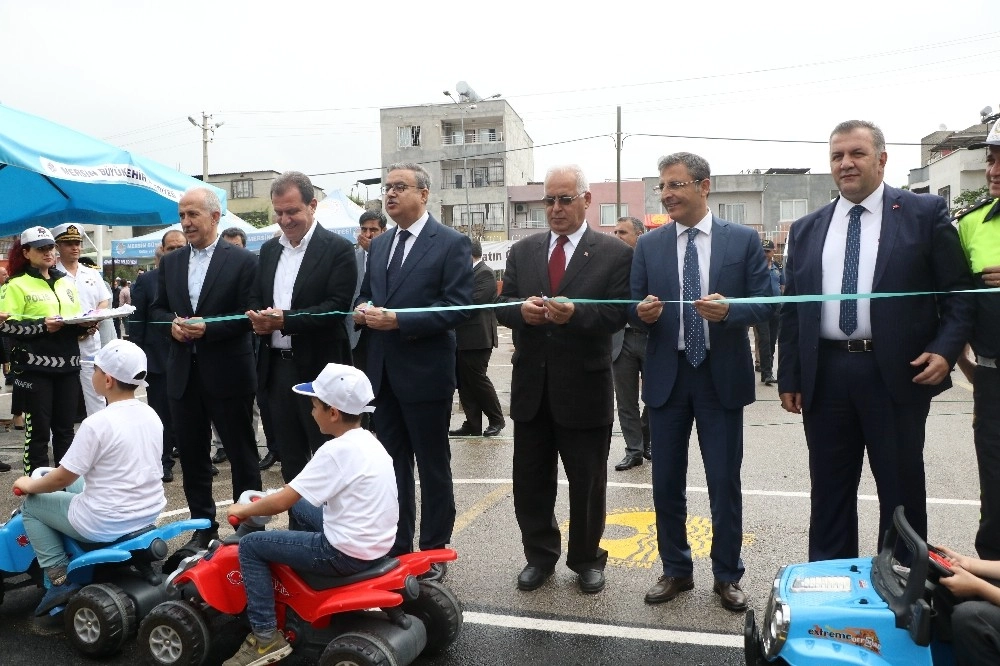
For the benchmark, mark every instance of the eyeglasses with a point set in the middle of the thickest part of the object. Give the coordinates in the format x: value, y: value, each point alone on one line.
x: 564, y: 200
x: 675, y: 185
x: 398, y: 188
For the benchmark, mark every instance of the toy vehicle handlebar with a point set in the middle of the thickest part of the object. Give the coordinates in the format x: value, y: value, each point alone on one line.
x: 18, y: 492
x: 235, y: 522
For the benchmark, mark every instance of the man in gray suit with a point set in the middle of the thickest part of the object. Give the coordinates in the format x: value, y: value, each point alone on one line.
x: 562, y: 396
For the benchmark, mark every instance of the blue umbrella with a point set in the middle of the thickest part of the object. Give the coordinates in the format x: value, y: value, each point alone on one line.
x: 50, y: 174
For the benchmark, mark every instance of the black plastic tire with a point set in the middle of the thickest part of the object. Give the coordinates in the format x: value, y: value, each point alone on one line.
x: 441, y: 614
x: 99, y: 619
x: 174, y: 634
x: 357, y: 649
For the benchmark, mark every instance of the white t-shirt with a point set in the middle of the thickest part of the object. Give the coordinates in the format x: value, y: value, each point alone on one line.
x: 117, y: 452
x: 92, y: 289
x: 352, y: 477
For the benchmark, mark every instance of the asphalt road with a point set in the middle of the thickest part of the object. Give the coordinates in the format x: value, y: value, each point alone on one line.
x: 557, y: 624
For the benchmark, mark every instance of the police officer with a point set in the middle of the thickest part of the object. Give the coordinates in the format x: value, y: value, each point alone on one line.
x: 766, y: 332
x: 979, y: 231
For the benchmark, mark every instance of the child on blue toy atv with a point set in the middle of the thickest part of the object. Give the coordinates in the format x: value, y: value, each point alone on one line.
x: 108, y: 483
x: 975, y: 622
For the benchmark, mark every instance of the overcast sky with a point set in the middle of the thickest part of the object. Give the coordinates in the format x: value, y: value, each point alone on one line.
x: 299, y: 84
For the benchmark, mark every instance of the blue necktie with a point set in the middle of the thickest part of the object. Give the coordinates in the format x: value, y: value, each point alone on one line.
x: 849, y: 284
x: 396, y: 263
x: 694, y: 330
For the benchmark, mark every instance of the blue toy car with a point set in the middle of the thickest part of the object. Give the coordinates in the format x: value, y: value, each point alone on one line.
x: 870, y: 611
x: 119, y: 583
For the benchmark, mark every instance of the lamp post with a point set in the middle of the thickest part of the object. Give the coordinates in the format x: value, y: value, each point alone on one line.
x: 206, y: 126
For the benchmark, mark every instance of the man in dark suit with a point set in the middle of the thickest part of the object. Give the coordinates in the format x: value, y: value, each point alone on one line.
x: 562, y: 393
x: 476, y: 337
x: 698, y: 368
x: 372, y: 224
x: 211, y: 377
x: 154, y: 339
x: 411, y: 355
x: 304, y: 274
x: 862, y: 372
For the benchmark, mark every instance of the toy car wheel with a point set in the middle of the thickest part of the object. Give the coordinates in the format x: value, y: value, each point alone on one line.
x: 99, y: 619
x: 357, y: 649
x: 174, y: 634
x: 441, y: 614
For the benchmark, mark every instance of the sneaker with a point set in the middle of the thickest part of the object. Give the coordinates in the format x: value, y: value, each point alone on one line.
x: 55, y: 596
x: 252, y: 654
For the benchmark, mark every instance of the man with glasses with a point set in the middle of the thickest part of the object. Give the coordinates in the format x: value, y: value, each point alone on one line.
x: 698, y: 368
x: 562, y: 392
x: 411, y: 355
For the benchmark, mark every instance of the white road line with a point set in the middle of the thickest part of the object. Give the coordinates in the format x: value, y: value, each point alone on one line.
x: 604, y: 630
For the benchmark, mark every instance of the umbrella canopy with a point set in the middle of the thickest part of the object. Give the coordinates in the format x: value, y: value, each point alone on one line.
x: 50, y: 174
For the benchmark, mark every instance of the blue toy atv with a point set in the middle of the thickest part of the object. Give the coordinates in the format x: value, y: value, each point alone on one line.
x: 119, y: 583
x: 871, y: 611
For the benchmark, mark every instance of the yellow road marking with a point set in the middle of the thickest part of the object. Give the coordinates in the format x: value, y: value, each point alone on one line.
x: 490, y: 499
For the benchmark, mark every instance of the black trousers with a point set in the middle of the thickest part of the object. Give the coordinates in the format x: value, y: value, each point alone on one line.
x: 291, y: 417
x: 193, y: 415
x: 475, y: 390
x: 986, y: 435
x: 156, y: 397
x: 539, y: 444
x: 50, y: 408
x: 765, y: 334
x: 852, y: 413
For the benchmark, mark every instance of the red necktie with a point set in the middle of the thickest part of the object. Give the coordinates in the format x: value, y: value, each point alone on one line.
x: 557, y: 264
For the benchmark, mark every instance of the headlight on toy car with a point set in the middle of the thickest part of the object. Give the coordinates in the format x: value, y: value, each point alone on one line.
x: 777, y: 617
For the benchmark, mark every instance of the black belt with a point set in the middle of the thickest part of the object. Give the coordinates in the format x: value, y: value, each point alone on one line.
x: 286, y: 354
x: 848, y: 345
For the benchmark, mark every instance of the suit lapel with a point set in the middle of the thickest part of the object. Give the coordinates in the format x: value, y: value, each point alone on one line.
x: 542, y: 261
x: 892, y: 213
x: 219, y: 257
x: 310, y: 262
x: 720, y: 243
x: 812, y: 266
x: 268, y: 268
x: 668, y: 251
x: 421, y: 244
x: 581, y: 255
x: 181, y: 276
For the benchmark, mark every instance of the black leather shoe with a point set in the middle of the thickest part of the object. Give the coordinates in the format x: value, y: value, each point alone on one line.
x: 464, y: 431
x: 732, y: 596
x: 628, y: 462
x: 591, y: 581
x: 168, y: 475
x: 175, y: 453
x: 756, y: 367
x: 769, y: 380
x: 200, y: 539
x: 532, y: 577
x: 494, y: 429
x: 220, y: 456
x: 4, y: 467
x: 215, y: 471
x: 647, y: 450
x: 668, y: 587
x: 437, y: 571
x: 267, y: 462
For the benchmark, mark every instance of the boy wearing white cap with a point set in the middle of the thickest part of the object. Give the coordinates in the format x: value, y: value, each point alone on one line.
x: 108, y: 483
x: 344, y: 499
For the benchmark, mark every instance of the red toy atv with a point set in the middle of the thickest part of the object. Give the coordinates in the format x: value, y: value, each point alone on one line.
x: 380, y: 617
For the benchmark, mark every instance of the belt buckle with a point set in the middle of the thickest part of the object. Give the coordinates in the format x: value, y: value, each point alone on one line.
x: 859, y: 345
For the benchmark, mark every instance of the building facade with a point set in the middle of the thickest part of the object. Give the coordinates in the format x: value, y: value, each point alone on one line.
x: 947, y: 168
x: 527, y: 212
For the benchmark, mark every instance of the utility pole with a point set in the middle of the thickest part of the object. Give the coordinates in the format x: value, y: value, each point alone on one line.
x: 618, y: 183
x: 206, y: 126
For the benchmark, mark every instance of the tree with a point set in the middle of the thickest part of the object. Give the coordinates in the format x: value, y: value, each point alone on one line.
x: 257, y: 218
x: 969, y: 196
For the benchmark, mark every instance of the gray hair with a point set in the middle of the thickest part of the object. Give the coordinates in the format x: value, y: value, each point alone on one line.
x: 696, y: 165
x: 295, y: 179
x: 423, y: 178
x: 210, y: 199
x: 637, y: 224
x: 848, y: 126
x: 581, y: 179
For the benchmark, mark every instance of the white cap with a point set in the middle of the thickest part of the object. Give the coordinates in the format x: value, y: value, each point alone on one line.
x: 341, y: 386
x: 124, y: 361
x: 992, y: 139
x: 36, y: 237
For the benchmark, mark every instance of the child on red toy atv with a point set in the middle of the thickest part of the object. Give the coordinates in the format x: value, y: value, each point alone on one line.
x: 345, y: 499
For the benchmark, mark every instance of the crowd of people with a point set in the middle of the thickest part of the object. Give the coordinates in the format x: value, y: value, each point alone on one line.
x: 222, y: 328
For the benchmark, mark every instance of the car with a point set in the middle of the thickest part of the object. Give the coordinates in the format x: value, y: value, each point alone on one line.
x: 872, y: 611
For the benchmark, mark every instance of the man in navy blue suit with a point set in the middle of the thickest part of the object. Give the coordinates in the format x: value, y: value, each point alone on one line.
x: 862, y: 372
x: 698, y: 368
x: 411, y: 355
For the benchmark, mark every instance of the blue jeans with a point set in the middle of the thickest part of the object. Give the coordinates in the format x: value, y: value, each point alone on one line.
x: 306, y: 550
x: 46, y: 520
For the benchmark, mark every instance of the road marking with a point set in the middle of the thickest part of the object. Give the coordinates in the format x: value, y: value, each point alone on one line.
x: 490, y: 499
x: 604, y: 630
x: 964, y: 384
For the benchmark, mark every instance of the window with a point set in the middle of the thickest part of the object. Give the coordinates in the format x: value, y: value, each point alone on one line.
x: 736, y: 213
x: 609, y: 214
x: 793, y: 209
x: 409, y: 136
x: 243, y: 188
x: 945, y: 193
x: 537, y: 219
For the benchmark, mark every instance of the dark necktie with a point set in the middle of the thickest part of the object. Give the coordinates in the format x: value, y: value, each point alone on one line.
x: 396, y: 263
x: 694, y: 330
x: 557, y: 264
x: 849, y: 284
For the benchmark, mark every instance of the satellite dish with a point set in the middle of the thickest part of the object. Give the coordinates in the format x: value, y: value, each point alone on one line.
x: 987, y: 110
x: 942, y: 127
x: 466, y: 92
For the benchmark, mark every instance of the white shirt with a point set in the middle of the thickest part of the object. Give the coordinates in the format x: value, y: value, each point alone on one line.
x: 572, y: 240
x: 117, y: 452
x: 197, y: 270
x: 352, y: 477
x: 92, y: 289
x: 703, y: 242
x: 414, y: 230
x: 834, y: 249
x: 289, y: 264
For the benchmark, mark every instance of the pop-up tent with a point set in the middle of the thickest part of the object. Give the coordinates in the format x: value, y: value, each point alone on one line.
x: 144, y: 247
x: 337, y: 213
